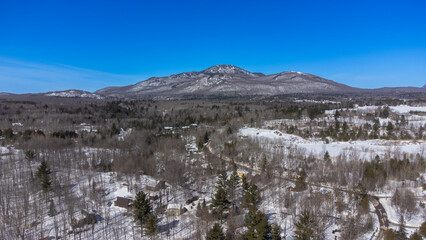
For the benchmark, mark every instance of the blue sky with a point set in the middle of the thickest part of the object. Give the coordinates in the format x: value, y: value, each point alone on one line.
x: 57, y: 45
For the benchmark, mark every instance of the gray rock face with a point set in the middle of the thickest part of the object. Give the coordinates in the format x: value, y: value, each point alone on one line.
x: 226, y: 80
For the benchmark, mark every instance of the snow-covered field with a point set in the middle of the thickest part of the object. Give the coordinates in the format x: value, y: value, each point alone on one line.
x: 401, y: 109
x: 365, y: 149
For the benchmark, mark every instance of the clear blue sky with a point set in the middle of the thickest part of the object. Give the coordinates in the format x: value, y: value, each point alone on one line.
x: 57, y: 45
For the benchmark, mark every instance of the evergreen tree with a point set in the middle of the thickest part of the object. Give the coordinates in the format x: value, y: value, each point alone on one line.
x: 275, y: 232
x: 345, y: 127
x: 306, y: 226
x: 415, y: 236
x: 229, y: 131
x: 30, y: 155
x: 390, y: 234
x: 301, y: 182
x: 43, y: 175
x: 223, y: 180
x: 206, y: 137
x: 337, y: 126
x: 251, y: 197
x: 232, y: 184
x: 257, y: 225
x: 327, y: 157
x: 215, y: 233
x: 350, y: 230
x: 220, y: 203
x: 389, y: 128
x: 336, y: 115
x: 142, y: 208
x: 244, y: 184
x: 151, y: 224
x: 114, y: 130
x: 423, y: 229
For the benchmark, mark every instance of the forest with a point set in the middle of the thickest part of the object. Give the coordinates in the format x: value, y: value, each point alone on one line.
x: 227, y: 168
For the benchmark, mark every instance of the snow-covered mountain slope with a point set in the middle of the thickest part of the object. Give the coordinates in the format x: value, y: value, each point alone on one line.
x: 73, y: 94
x: 227, y: 80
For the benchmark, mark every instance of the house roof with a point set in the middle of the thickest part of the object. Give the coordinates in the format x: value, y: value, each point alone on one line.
x: 173, y: 206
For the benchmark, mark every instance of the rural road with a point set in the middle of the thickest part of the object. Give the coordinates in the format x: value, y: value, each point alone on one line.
x: 381, y: 214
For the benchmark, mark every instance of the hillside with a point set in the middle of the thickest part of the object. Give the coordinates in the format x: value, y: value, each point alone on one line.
x: 227, y: 80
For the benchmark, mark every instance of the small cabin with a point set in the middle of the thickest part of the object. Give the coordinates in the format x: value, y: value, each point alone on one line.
x: 123, y: 202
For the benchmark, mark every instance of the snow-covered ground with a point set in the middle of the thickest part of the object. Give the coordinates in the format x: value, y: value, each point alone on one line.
x: 411, y: 221
x: 74, y: 94
x: 401, y: 109
x: 365, y: 149
x: 95, y: 192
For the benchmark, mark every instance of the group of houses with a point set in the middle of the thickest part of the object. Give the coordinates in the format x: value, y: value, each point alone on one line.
x: 171, y: 209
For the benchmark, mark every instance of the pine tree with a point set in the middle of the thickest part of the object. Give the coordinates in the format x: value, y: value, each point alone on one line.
x: 142, y: 208
x: 215, y: 233
x: 327, y: 158
x: 223, y: 180
x: 234, y: 179
x: 275, y: 232
x: 305, y: 226
x: 206, y: 137
x: 389, y: 234
x: 336, y: 115
x: 244, y: 184
x: 114, y: 130
x: 423, y: 229
x: 43, y: 175
x: 251, y: 197
x: 151, y: 224
x: 30, y: 155
x: 220, y: 203
x: 229, y: 131
x: 233, y: 183
x: 415, y: 236
x: 257, y: 225
x: 301, y: 182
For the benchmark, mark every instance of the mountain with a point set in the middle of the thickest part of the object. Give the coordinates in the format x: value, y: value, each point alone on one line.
x: 226, y: 80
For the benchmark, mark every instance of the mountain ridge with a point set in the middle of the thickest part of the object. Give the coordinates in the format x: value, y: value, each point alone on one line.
x: 226, y: 80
